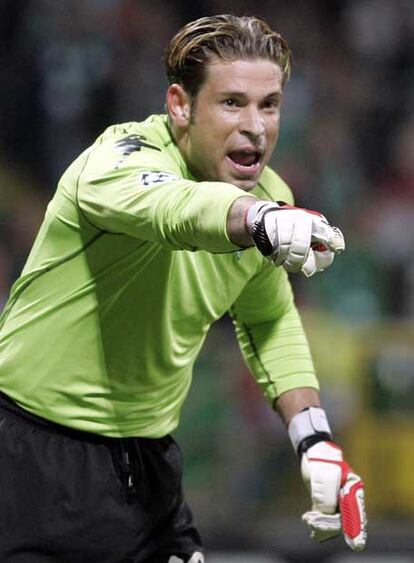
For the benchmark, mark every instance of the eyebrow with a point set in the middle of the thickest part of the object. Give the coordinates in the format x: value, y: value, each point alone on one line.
x: 239, y: 94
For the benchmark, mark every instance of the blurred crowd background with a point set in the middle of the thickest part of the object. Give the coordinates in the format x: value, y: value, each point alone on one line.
x: 69, y: 68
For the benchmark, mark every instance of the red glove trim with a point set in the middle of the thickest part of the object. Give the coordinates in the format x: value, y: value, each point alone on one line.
x: 350, y: 512
x: 286, y: 206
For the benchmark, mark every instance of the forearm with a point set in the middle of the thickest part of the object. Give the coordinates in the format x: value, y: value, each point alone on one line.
x: 292, y: 402
x: 236, y: 221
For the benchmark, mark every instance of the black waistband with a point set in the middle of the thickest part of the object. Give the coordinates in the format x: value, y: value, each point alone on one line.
x: 7, y: 404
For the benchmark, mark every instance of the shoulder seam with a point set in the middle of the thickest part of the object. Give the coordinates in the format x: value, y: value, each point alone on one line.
x: 44, y: 270
x: 77, y: 189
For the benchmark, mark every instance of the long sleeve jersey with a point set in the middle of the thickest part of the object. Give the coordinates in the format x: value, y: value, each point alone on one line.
x: 131, y: 266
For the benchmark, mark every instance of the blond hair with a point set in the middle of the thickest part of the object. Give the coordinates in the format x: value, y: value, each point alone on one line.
x: 227, y: 38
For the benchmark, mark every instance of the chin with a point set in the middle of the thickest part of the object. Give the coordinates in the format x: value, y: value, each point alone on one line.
x: 245, y: 185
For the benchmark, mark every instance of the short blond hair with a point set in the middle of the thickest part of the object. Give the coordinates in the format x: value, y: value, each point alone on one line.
x: 227, y: 38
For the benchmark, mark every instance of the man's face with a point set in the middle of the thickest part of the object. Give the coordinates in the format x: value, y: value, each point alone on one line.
x: 234, y: 125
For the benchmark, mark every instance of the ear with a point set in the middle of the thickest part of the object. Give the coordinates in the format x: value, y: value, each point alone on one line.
x: 178, y: 105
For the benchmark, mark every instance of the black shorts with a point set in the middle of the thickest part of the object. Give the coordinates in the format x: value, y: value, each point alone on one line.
x: 72, y: 497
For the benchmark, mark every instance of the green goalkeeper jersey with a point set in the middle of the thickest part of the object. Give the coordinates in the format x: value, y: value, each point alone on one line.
x: 131, y: 266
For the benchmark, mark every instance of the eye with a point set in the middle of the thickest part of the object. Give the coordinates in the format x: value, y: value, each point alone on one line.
x: 230, y: 103
x: 271, y: 104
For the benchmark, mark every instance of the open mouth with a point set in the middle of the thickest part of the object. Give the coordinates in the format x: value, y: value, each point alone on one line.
x: 245, y: 161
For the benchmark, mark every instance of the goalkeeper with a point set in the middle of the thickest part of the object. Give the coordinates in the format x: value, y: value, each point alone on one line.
x: 154, y: 232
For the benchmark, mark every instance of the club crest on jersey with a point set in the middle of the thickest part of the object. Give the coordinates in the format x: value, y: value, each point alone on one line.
x: 238, y: 254
x: 154, y: 178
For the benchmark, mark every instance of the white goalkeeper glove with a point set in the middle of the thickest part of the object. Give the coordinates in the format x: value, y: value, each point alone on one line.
x: 295, y: 238
x: 337, y: 493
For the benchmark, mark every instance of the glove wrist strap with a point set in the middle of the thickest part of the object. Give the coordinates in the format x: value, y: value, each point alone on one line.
x: 256, y: 226
x: 307, y: 443
x: 307, y: 428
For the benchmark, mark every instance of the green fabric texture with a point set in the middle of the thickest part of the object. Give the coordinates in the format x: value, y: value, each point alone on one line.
x: 131, y: 266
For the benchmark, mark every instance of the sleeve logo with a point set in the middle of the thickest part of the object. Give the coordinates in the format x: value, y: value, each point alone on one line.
x: 155, y: 178
x: 128, y: 145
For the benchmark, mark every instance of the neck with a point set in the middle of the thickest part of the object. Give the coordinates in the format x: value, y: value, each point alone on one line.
x: 179, y: 136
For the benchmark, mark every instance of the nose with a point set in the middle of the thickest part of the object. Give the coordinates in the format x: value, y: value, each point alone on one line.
x: 251, y: 122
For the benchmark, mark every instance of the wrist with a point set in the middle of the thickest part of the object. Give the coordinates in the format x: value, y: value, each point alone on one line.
x: 255, y: 225
x: 307, y: 428
x: 237, y: 228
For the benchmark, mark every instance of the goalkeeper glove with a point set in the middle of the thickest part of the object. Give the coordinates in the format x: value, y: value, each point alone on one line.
x: 296, y: 238
x: 337, y: 493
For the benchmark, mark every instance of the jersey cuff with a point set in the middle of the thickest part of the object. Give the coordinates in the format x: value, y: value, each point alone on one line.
x: 274, y: 390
